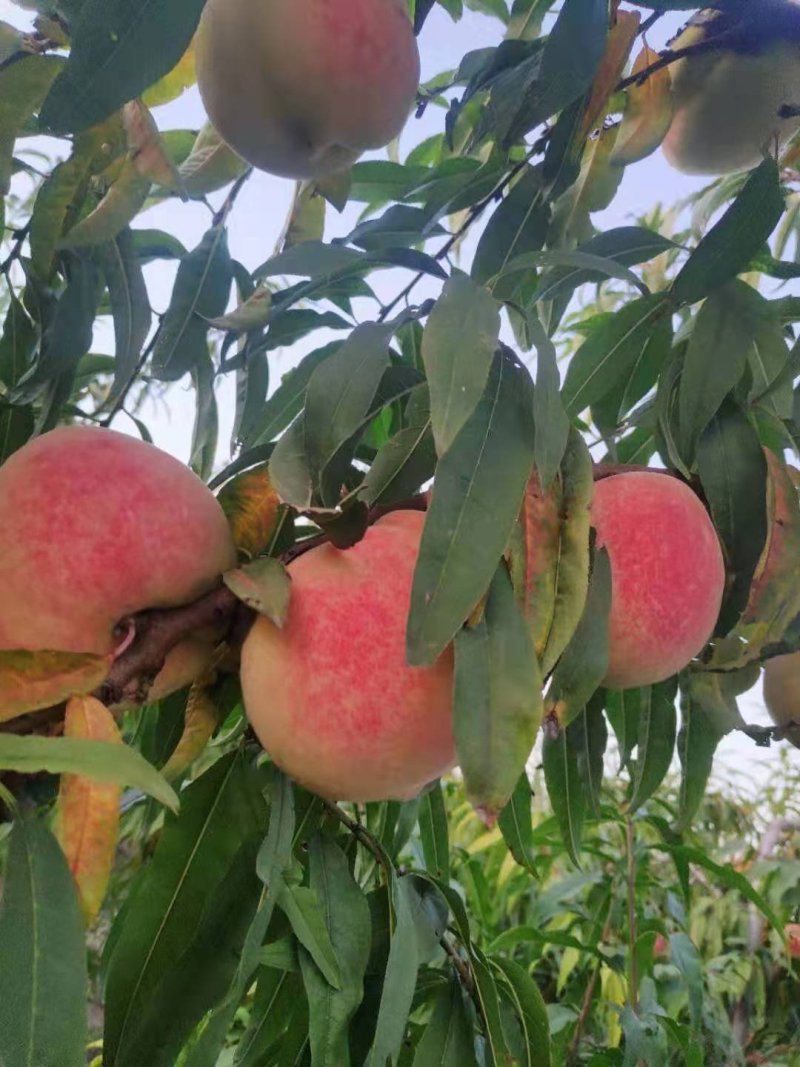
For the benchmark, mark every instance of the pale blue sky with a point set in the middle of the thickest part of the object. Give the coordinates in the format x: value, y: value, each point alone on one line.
x: 259, y: 217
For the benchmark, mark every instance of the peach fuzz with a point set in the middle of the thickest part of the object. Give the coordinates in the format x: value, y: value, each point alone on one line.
x: 668, y: 575
x: 96, y: 526
x: 330, y: 695
x: 300, y: 88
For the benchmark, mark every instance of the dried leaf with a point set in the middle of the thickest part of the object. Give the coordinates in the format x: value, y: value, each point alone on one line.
x: 30, y: 681
x: 87, y: 815
x: 648, y: 114
x: 618, y: 47
x: 149, y: 153
x: 202, y: 719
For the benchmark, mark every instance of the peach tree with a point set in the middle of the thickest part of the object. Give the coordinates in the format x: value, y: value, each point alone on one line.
x: 525, y: 500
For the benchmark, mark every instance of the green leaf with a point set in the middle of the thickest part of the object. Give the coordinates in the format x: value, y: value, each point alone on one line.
x: 123, y: 201
x: 733, y: 472
x: 498, y: 699
x: 611, y: 352
x: 23, y: 86
x: 688, y: 961
x: 201, y: 292
x: 345, y: 913
x: 531, y: 1011
x: 565, y: 786
x: 656, y: 745
x: 518, y: 226
x: 448, y: 1040
x: 130, y: 306
x: 584, y: 663
x: 301, y: 908
x: 516, y: 824
x: 401, y: 977
x: 479, y: 489
x: 43, y: 979
x: 622, y: 709
x: 551, y: 422
x: 98, y: 760
x: 407, y: 460
x: 205, y: 432
x: 16, y: 429
x: 17, y: 343
x: 118, y: 50
x: 433, y: 831
x: 265, y: 585
x: 458, y: 348
x: 706, y: 717
x: 498, y: 1049
x: 340, y: 393
x: 715, y: 359
x: 729, y: 247
x: 199, y: 893
x: 277, y: 994
x: 592, y: 740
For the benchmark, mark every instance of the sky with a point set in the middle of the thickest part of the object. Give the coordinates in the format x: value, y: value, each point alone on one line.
x: 258, y: 220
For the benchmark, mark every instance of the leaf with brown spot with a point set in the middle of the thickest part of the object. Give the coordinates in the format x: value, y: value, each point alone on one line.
x: 618, y: 48
x: 202, y: 719
x: 550, y: 553
x: 87, y: 813
x: 30, y: 681
x: 774, y: 600
x: 252, y: 505
x: 251, y: 315
x: 149, y: 154
x: 648, y: 114
x: 265, y: 586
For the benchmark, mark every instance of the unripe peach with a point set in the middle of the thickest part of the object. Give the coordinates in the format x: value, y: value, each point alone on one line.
x: 668, y: 575
x: 301, y: 88
x: 782, y: 694
x: 94, y: 527
x: 330, y: 695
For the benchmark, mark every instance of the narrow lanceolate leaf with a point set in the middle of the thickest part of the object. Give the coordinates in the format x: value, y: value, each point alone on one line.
x: 648, y: 112
x: 407, y: 460
x: 433, y: 831
x: 774, y: 596
x: 715, y: 359
x: 277, y: 996
x: 657, y: 730
x: 584, y: 663
x: 201, y: 293
x: 516, y: 824
x: 17, y: 426
x: 33, y: 680
x: 188, y: 914
x: 740, y: 234
x: 733, y: 471
x: 611, y: 351
x: 619, y: 43
x: 401, y: 977
x: 622, y: 709
x: 251, y: 505
x: 88, y: 811
x: 211, y: 165
x: 530, y: 1008
x: 345, y: 914
x: 106, y: 763
x: 458, y: 347
x: 551, y: 422
x: 117, y: 51
x: 23, y: 87
x: 565, y: 786
x: 200, y: 723
x: 17, y: 343
x: 130, y: 306
x: 498, y: 699
x: 479, y: 489
x: 550, y: 553
x: 448, y: 1040
x: 301, y: 908
x: 43, y: 979
x: 592, y: 739
x: 122, y: 203
x: 698, y: 740
x: 339, y: 395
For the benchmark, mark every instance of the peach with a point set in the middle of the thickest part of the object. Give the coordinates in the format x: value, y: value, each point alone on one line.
x: 782, y: 694
x: 727, y: 104
x: 668, y: 575
x: 300, y: 88
x: 792, y: 932
x: 330, y: 695
x: 94, y: 527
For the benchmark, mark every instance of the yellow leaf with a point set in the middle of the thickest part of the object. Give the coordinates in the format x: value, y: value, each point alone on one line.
x: 615, y: 993
x: 147, y: 148
x: 202, y: 719
x: 648, y: 113
x: 87, y: 814
x: 252, y: 505
x: 618, y: 48
x: 176, y: 82
x: 30, y: 681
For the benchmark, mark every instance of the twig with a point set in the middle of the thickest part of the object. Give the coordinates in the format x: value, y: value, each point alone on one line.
x: 20, y: 236
x: 122, y: 398
x: 672, y: 55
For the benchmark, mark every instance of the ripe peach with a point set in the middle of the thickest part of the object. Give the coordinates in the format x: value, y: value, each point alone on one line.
x: 792, y: 931
x: 301, y: 88
x: 330, y: 695
x: 782, y: 694
x: 668, y: 575
x: 96, y: 526
x: 727, y: 103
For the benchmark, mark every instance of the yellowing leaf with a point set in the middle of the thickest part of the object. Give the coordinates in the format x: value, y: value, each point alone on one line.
x: 87, y: 815
x: 170, y: 87
x: 147, y: 148
x: 202, y: 719
x: 307, y: 217
x: 251, y: 315
x: 618, y: 47
x: 251, y: 504
x: 648, y: 113
x: 211, y: 165
x: 30, y: 681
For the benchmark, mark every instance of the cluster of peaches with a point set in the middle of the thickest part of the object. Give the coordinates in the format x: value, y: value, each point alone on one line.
x: 96, y: 527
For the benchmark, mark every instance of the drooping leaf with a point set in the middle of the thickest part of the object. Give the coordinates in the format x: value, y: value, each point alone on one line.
x: 43, y: 974
x: 448, y: 1040
x: 211, y: 165
x: 550, y: 419
x: 33, y: 680
x: 565, y: 786
x: 516, y: 824
x: 648, y: 112
x: 656, y: 744
x: 130, y: 306
x: 23, y: 86
x: 699, y: 737
x: 434, y: 833
x: 531, y: 1011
